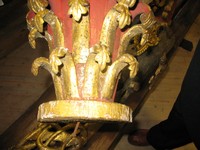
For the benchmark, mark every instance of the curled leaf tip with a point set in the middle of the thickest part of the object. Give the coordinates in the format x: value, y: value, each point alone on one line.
x: 78, y: 8
x: 102, y: 57
x: 34, y: 71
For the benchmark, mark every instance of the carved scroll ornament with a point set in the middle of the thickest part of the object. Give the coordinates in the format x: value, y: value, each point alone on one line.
x: 85, y: 62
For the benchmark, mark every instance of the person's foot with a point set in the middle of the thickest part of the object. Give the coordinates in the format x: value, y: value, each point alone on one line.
x: 139, y: 137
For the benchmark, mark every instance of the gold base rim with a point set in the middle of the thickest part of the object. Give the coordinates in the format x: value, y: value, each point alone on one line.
x: 84, y: 111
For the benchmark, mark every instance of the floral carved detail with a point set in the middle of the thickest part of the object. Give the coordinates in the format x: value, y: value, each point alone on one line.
x: 85, y: 71
x: 103, y: 56
x: 101, y: 61
x: 78, y: 8
x: 123, y: 8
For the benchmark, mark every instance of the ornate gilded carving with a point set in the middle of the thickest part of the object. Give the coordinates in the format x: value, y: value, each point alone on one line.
x: 122, y: 7
x: 55, y: 136
x: 78, y: 8
x: 165, y: 6
x: 142, y: 42
x: 85, y: 76
x: 84, y: 72
x: 63, y: 63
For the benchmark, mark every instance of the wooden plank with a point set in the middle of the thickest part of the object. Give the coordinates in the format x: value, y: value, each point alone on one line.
x: 26, y: 123
x: 12, y: 26
x: 19, y: 88
x: 183, y: 20
x: 11, y: 9
x: 106, y: 137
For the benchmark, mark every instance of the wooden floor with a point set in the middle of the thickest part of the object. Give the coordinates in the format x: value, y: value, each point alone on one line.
x: 19, y: 89
x: 160, y: 101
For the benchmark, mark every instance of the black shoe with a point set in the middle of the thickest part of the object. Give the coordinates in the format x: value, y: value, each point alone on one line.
x: 138, y: 137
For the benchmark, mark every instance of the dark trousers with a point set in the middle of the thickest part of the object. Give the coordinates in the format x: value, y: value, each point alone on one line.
x: 183, y: 124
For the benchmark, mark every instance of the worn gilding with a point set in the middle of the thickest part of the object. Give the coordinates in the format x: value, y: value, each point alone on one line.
x: 84, y: 72
x: 73, y: 110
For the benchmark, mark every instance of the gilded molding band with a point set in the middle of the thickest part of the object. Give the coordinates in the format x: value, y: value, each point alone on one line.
x: 79, y: 110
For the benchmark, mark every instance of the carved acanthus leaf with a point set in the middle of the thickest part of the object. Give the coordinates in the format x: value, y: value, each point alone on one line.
x: 78, y: 8
x: 37, y: 5
x: 103, y: 56
x: 54, y: 58
x: 114, y: 70
x: 131, y: 62
x: 39, y: 21
x: 32, y: 36
x: 52, y: 64
x: 123, y: 8
x: 40, y: 62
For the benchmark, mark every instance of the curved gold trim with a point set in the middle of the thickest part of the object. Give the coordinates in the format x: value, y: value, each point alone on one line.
x: 83, y: 110
x: 47, y: 136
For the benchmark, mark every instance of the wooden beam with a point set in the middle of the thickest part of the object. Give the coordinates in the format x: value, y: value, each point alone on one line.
x: 12, y: 26
x: 26, y: 123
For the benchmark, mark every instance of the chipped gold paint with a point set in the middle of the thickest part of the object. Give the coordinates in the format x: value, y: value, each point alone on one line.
x: 85, y: 78
x: 83, y: 110
x: 88, y: 73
